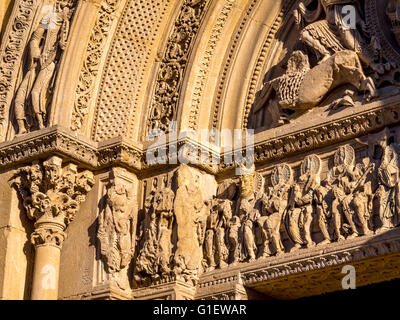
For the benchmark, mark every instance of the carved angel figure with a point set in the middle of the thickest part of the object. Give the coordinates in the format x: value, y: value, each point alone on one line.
x: 47, y: 43
x: 329, y: 35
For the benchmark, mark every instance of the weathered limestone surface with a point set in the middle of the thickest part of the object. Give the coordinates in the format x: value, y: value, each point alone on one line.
x: 88, y: 86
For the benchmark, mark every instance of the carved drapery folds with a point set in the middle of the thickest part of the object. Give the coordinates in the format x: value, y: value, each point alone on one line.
x: 173, y: 230
x: 116, y: 226
x: 343, y: 64
x: 43, y: 51
x: 12, y: 51
x: 355, y: 198
x: 51, y: 195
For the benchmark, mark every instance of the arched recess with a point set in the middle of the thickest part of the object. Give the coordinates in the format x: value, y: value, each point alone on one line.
x: 112, y: 97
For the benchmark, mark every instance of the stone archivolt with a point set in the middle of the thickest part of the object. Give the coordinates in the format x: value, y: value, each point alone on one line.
x: 91, y: 63
x: 171, y: 72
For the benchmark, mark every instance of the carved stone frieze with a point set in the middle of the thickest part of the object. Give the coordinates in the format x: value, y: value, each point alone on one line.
x: 355, y: 198
x: 39, y: 144
x: 328, y: 133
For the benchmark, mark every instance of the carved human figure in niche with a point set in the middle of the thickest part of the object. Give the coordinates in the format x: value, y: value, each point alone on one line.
x: 146, y: 262
x: 323, y: 211
x: 248, y: 213
x: 388, y: 193
x: 47, y: 43
x: 274, y: 203
x: 163, y: 209
x: 349, y: 192
x: 215, y: 248
x: 329, y: 35
x: 190, y: 215
x: 300, y: 211
x: 116, y: 227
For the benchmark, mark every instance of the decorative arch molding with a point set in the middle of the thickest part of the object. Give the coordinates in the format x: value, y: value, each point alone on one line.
x: 268, y: 56
x: 171, y: 73
x: 244, y: 69
x: 92, y: 64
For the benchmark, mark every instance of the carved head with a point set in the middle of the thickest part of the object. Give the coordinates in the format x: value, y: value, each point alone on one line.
x: 247, y: 182
x: 344, y: 156
x: 65, y: 3
x: 298, y: 62
x: 53, y: 170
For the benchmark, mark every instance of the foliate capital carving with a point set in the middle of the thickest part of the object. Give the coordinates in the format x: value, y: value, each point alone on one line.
x: 48, y: 235
x: 51, y: 194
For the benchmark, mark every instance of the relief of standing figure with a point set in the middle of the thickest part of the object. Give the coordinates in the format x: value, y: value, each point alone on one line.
x: 46, y: 45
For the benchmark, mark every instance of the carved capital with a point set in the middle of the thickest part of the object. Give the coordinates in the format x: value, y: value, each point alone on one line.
x: 48, y: 235
x: 51, y: 194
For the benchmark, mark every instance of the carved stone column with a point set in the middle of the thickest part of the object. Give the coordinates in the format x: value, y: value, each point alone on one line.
x: 51, y: 194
